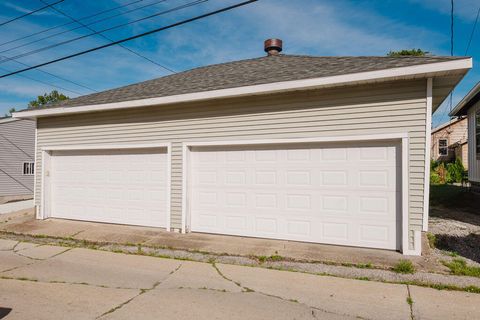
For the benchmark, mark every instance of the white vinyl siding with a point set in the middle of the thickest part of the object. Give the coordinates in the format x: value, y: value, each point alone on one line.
x: 394, y: 107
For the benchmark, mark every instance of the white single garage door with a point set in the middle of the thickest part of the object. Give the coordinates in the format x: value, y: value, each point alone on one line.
x: 116, y: 186
x: 347, y: 194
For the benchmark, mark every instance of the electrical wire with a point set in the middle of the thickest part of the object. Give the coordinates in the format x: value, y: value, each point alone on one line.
x: 69, y: 23
x: 43, y: 82
x: 176, y: 24
x: 109, y: 39
x: 190, y: 4
x: 81, y: 25
x: 29, y: 13
x: 473, y: 31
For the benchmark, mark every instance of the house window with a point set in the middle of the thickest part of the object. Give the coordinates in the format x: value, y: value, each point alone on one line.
x: 28, y: 168
x: 477, y: 133
x: 442, y: 147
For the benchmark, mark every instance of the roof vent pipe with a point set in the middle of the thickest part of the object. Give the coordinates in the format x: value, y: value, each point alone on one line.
x: 273, y: 46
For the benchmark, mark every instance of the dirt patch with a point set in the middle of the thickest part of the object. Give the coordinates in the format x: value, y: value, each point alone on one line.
x: 455, y: 222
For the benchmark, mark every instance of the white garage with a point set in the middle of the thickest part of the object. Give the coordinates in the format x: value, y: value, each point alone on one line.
x: 346, y: 193
x: 125, y: 186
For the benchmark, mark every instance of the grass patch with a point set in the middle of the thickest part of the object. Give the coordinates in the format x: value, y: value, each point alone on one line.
x: 404, y: 266
x: 458, y: 266
x: 365, y: 265
x: 432, y: 240
x: 275, y: 257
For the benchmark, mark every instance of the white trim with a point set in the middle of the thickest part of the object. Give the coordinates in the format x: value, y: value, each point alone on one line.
x: 387, y: 136
x: 403, y: 137
x: 42, y: 212
x: 35, y: 169
x: 405, y: 200
x: 108, y: 146
x: 184, y: 186
x: 466, y: 99
x: 428, y: 142
x: 9, y: 119
x: 167, y: 145
x: 417, y: 71
x: 169, y: 185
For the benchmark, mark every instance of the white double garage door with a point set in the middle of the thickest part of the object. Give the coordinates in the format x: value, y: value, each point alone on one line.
x: 337, y: 193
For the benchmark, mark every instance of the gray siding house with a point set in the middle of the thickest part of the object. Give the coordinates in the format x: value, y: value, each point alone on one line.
x: 17, y: 149
x: 318, y: 149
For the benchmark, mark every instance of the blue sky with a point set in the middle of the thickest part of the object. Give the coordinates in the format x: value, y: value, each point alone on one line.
x: 312, y: 27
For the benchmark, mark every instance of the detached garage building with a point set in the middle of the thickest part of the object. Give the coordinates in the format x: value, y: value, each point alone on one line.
x: 317, y: 149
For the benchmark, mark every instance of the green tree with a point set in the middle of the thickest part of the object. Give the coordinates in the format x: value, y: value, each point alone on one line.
x: 408, y: 52
x: 47, y: 98
x: 10, y: 111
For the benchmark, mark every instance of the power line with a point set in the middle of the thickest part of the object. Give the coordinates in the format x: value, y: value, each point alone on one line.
x: 205, y: 15
x: 69, y: 23
x: 473, y: 31
x: 451, y: 28
x: 55, y: 76
x: 30, y: 13
x: 80, y: 26
x: 43, y: 82
x: 109, y: 39
x: 190, y: 4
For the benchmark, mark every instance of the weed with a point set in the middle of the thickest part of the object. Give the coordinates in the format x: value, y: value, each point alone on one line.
x: 262, y: 259
x: 275, y: 257
x: 404, y: 266
x: 432, y: 239
x: 211, y: 260
x: 365, y: 265
x: 459, y: 267
x: 410, y: 301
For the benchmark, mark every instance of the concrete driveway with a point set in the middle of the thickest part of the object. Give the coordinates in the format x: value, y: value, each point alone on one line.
x: 49, y: 282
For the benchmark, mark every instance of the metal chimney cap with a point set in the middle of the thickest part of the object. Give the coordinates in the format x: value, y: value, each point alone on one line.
x: 273, y: 46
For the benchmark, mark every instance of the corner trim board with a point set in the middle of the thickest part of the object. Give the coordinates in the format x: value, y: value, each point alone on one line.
x: 428, y: 142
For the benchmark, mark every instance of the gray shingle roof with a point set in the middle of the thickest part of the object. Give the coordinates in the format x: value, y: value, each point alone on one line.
x: 256, y: 71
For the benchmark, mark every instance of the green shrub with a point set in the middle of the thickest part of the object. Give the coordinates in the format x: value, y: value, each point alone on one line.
x: 456, y: 171
x: 404, y: 266
x: 434, y: 178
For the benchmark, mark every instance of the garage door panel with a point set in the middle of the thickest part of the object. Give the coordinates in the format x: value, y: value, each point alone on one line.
x: 116, y: 186
x: 341, y: 195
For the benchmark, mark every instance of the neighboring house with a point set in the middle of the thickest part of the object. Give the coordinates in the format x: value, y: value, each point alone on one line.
x: 449, y: 141
x: 469, y: 106
x: 17, y: 149
x: 317, y: 149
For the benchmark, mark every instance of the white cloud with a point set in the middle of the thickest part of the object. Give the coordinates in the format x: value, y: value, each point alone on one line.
x: 464, y: 9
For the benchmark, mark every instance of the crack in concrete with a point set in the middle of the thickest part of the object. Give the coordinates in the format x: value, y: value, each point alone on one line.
x: 16, y: 244
x: 142, y: 291
x: 247, y: 290
x: 76, y: 233
x: 65, y: 282
x: 410, y: 302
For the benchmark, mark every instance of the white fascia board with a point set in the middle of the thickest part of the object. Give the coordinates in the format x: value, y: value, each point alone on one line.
x: 422, y: 70
x: 465, y: 100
